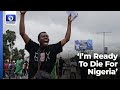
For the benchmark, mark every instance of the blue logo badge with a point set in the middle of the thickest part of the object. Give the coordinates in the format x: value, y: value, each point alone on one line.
x: 10, y: 19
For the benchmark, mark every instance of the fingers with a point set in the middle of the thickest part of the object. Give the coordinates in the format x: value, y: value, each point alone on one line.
x: 23, y: 12
x: 70, y: 15
x: 69, y: 18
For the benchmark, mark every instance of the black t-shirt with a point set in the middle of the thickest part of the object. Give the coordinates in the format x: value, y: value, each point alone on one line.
x: 48, y: 57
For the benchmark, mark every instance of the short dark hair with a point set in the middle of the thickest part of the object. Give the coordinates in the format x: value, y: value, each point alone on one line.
x: 40, y: 34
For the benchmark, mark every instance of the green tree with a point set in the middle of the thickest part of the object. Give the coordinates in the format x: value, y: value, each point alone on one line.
x: 9, y: 38
x: 15, y: 54
x: 6, y: 51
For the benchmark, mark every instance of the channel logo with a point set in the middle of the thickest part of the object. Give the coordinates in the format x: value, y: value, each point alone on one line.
x: 10, y: 17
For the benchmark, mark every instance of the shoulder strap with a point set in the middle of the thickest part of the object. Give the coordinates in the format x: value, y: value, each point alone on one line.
x: 39, y: 64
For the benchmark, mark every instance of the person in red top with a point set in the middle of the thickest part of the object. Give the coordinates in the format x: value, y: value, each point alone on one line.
x: 6, y: 65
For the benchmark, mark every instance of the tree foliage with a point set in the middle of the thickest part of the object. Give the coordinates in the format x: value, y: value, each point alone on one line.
x: 9, y: 38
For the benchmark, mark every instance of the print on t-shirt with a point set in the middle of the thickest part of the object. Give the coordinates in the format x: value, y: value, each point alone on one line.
x: 50, y: 57
x: 42, y: 57
x: 36, y: 57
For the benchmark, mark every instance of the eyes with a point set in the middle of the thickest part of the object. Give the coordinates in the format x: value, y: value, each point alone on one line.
x: 44, y: 36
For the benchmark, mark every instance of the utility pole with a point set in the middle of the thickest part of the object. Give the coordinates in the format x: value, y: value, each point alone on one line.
x: 104, y: 35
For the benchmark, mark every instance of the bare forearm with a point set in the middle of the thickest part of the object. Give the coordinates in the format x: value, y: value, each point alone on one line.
x: 22, y: 25
x: 68, y: 33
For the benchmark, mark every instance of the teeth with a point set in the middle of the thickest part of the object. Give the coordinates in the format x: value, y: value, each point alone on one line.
x: 46, y: 43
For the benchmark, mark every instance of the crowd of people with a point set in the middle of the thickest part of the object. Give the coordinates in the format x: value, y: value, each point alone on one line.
x: 42, y: 61
x: 15, y: 69
x: 19, y: 69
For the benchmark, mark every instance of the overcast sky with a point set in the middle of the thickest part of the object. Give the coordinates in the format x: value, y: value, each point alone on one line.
x: 84, y: 27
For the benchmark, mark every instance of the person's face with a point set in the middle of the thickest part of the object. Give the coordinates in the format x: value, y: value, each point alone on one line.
x: 44, y: 39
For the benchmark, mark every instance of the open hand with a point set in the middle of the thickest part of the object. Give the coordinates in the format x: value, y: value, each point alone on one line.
x: 23, y: 12
x: 69, y: 18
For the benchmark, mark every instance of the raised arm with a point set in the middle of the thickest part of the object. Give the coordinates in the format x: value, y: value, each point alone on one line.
x: 22, y: 27
x: 68, y: 33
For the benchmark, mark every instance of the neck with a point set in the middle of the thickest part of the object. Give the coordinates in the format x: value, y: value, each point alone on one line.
x: 43, y: 46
